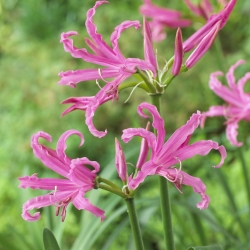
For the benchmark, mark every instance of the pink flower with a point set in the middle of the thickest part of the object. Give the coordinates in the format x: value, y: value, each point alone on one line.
x: 238, y: 102
x: 113, y: 63
x: 78, y: 179
x: 161, y: 18
x: 178, y: 53
x: 165, y: 155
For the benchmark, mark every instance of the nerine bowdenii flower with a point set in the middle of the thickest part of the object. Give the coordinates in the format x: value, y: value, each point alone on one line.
x: 78, y: 179
x: 164, y: 155
x: 237, y: 106
x: 112, y: 65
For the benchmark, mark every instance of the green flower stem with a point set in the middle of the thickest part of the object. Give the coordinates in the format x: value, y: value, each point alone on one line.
x: 219, y: 54
x: 134, y: 224
x: 111, y: 184
x: 126, y: 85
x: 112, y: 190
x: 145, y: 79
x: 245, y: 173
x: 164, y: 196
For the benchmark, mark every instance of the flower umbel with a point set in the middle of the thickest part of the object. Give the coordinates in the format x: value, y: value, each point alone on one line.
x: 78, y: 179
x: 237, y: 102
x: 165, y: 155
x: 113, y: 65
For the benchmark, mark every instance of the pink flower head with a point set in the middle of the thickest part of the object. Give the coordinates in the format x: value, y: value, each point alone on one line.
x: 221, y: 17
x: 113, y: 65
x: 165, y: 155
x: 161, y: 18
x: 238, y: 102
x: 120, y: 162
x: 78, y: 179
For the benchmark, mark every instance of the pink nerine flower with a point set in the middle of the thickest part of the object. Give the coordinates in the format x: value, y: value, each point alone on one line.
x: 165, y: 155
x: 238, y: 102
x: 113, y: 65
x: 78, y: 179
x: 161, y: 18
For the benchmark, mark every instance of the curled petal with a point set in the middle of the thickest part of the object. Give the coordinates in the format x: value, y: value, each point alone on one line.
x: 43, y: 201
x: 48, y: 156
x: 180, y: 177
x: 128, y: 134
x: 96, y: 37
x: 245, y: 97
x: 117, y: 33
x: 223, y: 91
x: 230, y: 75
x: 83, y: 203
x: 81, y: 175
x: 61, y: 144
x: 231, y: 132
x: 213, y: 111
x: 158, y: 122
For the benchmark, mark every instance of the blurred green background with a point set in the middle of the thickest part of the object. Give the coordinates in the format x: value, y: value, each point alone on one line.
x: 31, y: 57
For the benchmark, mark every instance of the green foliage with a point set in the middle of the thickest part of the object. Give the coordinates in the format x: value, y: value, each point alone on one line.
x: 49, y: 240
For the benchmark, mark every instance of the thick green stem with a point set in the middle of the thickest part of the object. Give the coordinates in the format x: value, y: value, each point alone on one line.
x: 111, y: 184
x: 245, y: 173
x: 134, y: 224
x: 164, y: 196
x: 112, y: 190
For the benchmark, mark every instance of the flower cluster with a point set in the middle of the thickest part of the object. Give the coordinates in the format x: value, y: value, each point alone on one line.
x: 80, y: 175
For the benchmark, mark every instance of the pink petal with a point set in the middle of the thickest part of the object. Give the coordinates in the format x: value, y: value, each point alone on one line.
x: 48, y: 156
x: 223, y: 91
x: 183, y: 178
x: 213, y: 111
x: 128, y: 134
x: 81, y: 175
x: 203, y: 46
x: 158, y: 123
x: 230, y: 75
x: 61, y: 144
x: 96, y: 37
x: 143, y: 150
x: 46, y: 183
x: 149, y: 54
x: 117, y: 33
x: 71, y: 77
x: 83, y: 53
x: 231, y: 132
x: 245, y: 97
x: 198, y: 148
x: 43, y: 201
x: 83, y: 203
x: 178, y: 53
x: 222, y: 16
x: 149, y: 168
x: 179, y: 137
x: 120, y: 161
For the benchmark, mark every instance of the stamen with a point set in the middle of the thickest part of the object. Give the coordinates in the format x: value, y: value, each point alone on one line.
x: 133, y: 90
x: 129, y: 163
x: 100, y: 74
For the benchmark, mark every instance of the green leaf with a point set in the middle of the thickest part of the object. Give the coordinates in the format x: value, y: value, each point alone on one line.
x: 49, y: 240
x: 213, y: 247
